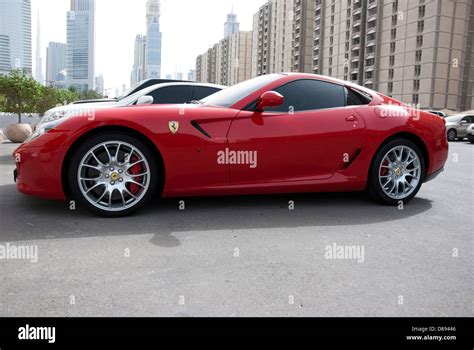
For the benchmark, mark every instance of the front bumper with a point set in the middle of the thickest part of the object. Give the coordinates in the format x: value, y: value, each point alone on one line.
x: 39, y: 170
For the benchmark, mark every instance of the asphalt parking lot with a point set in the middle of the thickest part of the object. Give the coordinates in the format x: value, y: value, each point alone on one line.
x: 245, y: 256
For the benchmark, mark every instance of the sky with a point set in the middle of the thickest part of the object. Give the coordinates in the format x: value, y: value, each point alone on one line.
x: 189, y: 28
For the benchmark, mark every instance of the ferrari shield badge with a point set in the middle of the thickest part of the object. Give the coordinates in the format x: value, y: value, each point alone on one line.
x: 174, y: 127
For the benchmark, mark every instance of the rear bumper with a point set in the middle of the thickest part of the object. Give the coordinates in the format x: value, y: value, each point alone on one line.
x: 434, y: 175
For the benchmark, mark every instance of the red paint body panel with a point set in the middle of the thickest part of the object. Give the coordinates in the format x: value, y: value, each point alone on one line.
x: 303, y: 152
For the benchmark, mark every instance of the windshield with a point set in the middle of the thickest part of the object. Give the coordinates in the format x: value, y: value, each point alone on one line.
x: 233, y: 94
x: 125, y: 101
x: 454, y: 118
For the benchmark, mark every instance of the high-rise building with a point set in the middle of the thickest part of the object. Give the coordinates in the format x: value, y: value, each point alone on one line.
x: 15, y: 35
x: 283, y: 37
x: 81, y: 44
x: 55, y: 64
x: 262, y: 24
x: 154, y: 37
x: 228, y: 62
x: 139, y: 62
x: 99, y: 85
x: 239, y: 61
x: 192, y: 75
x: 5, y: 55
x: 419, y: 52
x: 39, y: 77
x: 231, y: 26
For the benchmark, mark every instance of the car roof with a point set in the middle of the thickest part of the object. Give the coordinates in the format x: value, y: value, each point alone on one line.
x: 160, y: 85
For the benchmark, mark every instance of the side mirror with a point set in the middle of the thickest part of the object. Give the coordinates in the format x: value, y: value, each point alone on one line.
x: 463, y: 122
x: 145, y: 100
x: 269, y: 99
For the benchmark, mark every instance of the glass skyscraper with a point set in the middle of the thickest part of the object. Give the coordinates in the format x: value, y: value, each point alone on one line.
x: 15, y: 35
x: 80, y: 44
x: 154, y: 36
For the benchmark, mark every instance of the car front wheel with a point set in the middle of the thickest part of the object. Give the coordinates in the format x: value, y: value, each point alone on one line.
x: 112, y: 174
x: 397, y: 172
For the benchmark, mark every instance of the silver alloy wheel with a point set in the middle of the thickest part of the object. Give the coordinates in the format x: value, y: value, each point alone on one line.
x: 114, y: 176
x: 400, y: 172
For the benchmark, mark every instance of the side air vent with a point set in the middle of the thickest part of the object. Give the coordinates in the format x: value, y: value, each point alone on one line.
x: 352, y: 158
x: 199, y: 128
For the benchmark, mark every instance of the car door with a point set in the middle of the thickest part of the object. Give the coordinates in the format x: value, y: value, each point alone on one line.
x: 176, y: 94
x: 309, y: 137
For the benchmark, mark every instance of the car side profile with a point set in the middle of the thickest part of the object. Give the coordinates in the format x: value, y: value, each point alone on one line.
x: 132, y: 90
x: 278, y: 133
x: 457, y: 125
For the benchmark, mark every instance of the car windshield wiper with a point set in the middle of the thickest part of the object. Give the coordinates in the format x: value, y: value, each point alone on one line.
x: 197, y: 102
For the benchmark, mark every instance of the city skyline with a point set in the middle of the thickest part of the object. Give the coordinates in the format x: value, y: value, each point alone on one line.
x: 119, y: 21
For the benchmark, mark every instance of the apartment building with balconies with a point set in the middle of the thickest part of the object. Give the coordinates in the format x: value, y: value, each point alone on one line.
x: 227, y: 62
x: 283, y: 37
x: 426, y: 53
x: 261, y: 39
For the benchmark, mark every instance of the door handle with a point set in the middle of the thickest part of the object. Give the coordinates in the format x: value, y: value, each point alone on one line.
x: 352, y: 119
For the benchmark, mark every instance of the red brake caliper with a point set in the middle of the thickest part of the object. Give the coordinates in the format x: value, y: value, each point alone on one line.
x: 384, y: 171
x: 136, y: 169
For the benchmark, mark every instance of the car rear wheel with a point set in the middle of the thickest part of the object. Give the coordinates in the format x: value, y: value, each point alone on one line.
x: 452, y: 135
x: 112, y: 174
x: 397, y: 172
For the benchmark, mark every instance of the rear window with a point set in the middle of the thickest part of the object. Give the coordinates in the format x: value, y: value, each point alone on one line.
x: 356, y: 98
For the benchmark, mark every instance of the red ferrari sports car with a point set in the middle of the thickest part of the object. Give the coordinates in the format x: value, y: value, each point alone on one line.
x: 278, y: 133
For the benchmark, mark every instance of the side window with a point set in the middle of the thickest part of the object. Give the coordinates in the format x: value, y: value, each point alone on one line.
x: 201, y: 92
x: 467, y: 119
x: 172, y: 95
x: 355, y: 98
x: 307, y: 95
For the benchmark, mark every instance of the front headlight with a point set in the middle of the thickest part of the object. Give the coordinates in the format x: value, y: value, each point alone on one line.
x: 43, y: 128
x: 52, y: 116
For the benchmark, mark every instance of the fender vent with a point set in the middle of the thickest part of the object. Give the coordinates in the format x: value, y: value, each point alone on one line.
x: 352, y: 158
x: 199, y: 128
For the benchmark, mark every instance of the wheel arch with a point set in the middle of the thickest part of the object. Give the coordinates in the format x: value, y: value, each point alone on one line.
x: 104, y: 129
x: 411, y: 137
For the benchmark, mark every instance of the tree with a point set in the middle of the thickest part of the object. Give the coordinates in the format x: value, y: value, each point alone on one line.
x: 89, y: 95
x: 47, y: 99
x: 19, y: 92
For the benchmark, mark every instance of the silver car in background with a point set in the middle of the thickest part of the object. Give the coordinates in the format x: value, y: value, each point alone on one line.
x: 457, y: 125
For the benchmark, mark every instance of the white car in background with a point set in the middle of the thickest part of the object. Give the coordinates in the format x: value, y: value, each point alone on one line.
x: 167, y: 93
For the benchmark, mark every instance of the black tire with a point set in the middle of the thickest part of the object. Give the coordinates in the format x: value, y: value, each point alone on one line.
x: 374, y: 188
x: 90, y: 143
x: 452, y: 135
